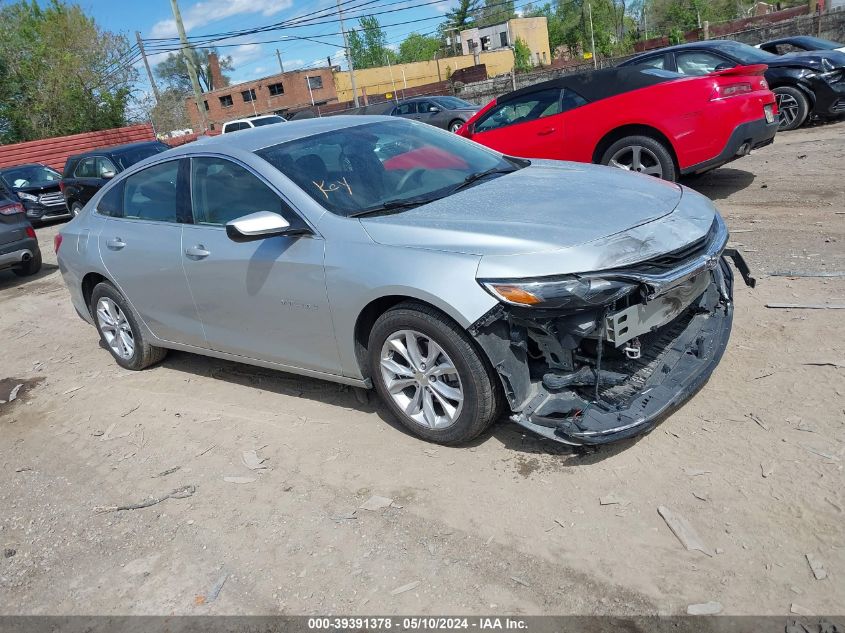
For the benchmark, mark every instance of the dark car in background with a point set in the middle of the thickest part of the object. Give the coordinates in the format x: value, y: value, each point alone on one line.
x: 36, y: 187
x: 18, y: 244
x: 84, y: 174
x: 800, y: 43
x: 449, y: 113
x: 805, y: 84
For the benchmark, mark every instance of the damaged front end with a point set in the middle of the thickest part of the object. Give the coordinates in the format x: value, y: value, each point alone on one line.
x: 594, y: 358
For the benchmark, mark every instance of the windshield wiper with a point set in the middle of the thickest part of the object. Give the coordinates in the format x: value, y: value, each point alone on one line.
x: 392, y: 205
x: 472, y: 178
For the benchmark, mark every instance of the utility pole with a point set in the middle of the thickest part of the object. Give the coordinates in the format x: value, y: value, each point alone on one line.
x: 592, y: 34
x: 348, y: 56
x: 189, y: 62
x: 279, y: 57
x: 147, y: 66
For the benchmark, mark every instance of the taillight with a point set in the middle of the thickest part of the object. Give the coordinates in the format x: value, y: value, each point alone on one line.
x: 11, y: 208
x: 730, y: 90
x: 57, y: 242
x: 30, y: 232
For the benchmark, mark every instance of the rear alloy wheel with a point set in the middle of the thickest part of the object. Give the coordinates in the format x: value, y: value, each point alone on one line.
x: 120, y: 331
x: 793, y: 107
x: 431, y: 375
x: 643, y: 155
x: 75, y: 209
x: 454, y: 126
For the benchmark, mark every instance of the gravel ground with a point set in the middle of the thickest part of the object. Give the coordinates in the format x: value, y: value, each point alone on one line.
x: 509, y: 524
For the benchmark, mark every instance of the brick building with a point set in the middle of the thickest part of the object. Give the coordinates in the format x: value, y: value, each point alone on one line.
x: 282, y: 93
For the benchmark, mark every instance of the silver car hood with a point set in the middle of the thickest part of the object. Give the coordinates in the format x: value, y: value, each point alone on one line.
x: 545, y: 207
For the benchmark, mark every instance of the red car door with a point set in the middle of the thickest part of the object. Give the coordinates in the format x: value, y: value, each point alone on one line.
x: 529, y: 126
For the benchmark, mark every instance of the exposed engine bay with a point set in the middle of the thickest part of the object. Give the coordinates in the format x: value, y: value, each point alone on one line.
x: 591, y: 371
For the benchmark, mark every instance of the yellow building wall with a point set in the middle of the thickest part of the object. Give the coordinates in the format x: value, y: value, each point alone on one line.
x: 535, y: 33
x: 386, y: 79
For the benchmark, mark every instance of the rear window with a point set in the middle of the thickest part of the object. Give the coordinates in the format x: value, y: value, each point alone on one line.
x: 128, y: 157
x: 267, y: 120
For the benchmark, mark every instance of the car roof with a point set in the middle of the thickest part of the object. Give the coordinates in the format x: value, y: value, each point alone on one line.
x: 797, y: 38
x: 260, y: 137
x: 601, y: 84
x: 113, y: 148
x: 713, y: 44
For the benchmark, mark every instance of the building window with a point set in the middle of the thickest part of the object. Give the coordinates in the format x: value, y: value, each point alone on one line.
x: 503, y: 38
x: 248, y: 95
x: 315, y: 83
x: 226, y: 101
x: 276, y: 89
x: 205, y: 103
x: 544, y: 57
x: 470, y: 45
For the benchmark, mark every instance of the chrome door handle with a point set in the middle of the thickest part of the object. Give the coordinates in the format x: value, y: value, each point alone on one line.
x: 197, y: 252
x: 546, y: 132
x: 115, y: 244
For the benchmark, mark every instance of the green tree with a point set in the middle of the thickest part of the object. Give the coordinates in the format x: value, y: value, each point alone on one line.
x: 368, y: 44
x: 418, y: 48
x: 494, y: 12
x: 59, y: 72
x: 521, y: 55
x: 173, y: 71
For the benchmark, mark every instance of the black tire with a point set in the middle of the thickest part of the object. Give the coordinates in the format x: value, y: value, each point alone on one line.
x: 798, y: 103
x: 481, y: 388
x: 455, y: 125
x: 29, y: 268
x: 75, y: 209
x: 143, y: 354
x: 662, y: 157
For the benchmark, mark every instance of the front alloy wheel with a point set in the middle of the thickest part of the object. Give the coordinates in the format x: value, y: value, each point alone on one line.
x: 421, y: 379
x: 115, y: 328
x: 637, y: 158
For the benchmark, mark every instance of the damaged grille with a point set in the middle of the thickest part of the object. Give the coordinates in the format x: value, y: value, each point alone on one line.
x: 679, y: 257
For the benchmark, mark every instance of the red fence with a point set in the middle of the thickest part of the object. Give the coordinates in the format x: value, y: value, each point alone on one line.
x: 54, y: 151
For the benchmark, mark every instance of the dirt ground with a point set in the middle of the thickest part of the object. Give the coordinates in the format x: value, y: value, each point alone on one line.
x: 510, y: 524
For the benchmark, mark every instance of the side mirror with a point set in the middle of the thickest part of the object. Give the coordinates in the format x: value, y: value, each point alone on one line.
x: 434, y: 109
x: 108, y: 174
x: 257, y: 226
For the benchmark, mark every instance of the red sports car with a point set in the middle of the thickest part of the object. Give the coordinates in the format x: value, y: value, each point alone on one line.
x: 641, y: 119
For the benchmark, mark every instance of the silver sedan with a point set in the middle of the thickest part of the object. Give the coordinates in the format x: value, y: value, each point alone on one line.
x: 459, y: 283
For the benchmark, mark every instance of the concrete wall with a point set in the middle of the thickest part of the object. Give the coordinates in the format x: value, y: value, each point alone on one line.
x: 533, y: 31
x: 295, y: 97
x: 384, y: 79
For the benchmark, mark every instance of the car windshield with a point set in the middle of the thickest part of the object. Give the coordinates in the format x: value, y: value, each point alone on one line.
x: 818, y: 43
x: 453, y: 103
x: 134, y: 155
x: 383, y: 165
x: 30, y: 176
x: 745, y: 53
x: 267, y: 120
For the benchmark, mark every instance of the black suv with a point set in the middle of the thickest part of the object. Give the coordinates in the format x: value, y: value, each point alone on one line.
x: 36, y: 187
x: 84, y: 174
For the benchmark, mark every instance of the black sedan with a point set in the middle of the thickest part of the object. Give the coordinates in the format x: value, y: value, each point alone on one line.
x: 799, y: 44
x: 446, y: 112
x: 805, y: 84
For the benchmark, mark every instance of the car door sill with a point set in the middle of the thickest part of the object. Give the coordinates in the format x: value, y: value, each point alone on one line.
x: 365, y: 383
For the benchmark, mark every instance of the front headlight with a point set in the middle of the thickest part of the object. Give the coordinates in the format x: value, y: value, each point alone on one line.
x: 27, y: 196
x: 558, y: 292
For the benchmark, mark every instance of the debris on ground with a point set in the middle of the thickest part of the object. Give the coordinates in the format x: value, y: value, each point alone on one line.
x: 758, y: 421
x: 705, y: 608
x: 9, y: 552
x: 206, y: 450
x: 807, y: 306
x: 167, y: 472
x: 108, y: 434
x: 797, y: 609
x: 800, y: 273
x: 252, y: 461
x: 682, y: 529
x: 179, y: 493
x: 404, y: 588
x: 14, y: 393
x: 695, y: 472
x: 239, y: 480
x: 766, y: 470
x: 347, y: 516
x: 375, y: 503
x: 816, y: 566
x: 520, y: 581
x: 826, y: 363
x: 609, y: 500
x: 820, y: 453
x: 135, y: 408
x: 71, y: 390
x: 214, y: 592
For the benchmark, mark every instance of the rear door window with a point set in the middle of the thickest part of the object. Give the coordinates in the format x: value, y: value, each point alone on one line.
x: 151, y: 193
x: 697, y: 63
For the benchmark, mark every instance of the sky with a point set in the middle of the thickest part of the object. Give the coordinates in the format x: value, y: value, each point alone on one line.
x: 254, y: 55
